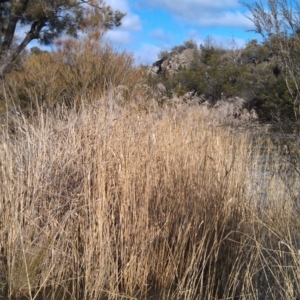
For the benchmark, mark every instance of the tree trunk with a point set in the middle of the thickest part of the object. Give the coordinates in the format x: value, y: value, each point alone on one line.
x: 7, y: 61
x: 5, y: 58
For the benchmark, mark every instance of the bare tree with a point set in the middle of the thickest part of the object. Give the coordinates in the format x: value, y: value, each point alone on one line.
x: 278, y: 22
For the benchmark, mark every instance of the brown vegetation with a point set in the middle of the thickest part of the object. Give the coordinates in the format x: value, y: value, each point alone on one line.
x: 78, y: 73
x: 104, y: 197
x: 96, y: 205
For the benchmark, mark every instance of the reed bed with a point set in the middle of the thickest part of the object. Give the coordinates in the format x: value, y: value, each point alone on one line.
x: 103, y: 205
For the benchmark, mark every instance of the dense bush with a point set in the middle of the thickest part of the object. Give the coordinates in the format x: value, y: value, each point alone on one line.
x: 252, y: 73
x: 88, y: 69
x: 79, y: 70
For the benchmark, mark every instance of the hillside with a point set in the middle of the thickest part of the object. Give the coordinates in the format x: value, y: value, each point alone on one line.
x: 252, y: 73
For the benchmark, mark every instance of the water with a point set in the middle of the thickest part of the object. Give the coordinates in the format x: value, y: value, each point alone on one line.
x: 275, y: 170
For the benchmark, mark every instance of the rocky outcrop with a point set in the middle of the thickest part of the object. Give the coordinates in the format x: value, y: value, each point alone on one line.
x: 224, y: 109
x: 157, y: 67
x: 159, y: 90
x: 175, y: 61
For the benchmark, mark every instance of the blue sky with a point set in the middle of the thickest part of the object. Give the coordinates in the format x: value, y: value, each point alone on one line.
x: 154, y: 25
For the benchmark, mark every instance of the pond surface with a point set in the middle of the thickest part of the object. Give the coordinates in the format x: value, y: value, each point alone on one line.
x: 275, y: 168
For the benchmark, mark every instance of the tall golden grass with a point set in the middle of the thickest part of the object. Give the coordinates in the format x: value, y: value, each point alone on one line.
x: 100, y: 205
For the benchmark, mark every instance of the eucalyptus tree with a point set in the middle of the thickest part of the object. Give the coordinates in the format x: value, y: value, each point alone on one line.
x: 45, y: 20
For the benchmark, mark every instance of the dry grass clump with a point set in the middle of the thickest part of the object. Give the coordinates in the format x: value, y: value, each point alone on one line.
x: 96, y: 205
x: 77, y: 71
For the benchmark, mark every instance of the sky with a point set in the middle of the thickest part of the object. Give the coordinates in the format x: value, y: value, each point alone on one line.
x: 151, y: 26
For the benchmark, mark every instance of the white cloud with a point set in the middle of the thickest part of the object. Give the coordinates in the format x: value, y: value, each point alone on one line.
x: 147, y: 54
x: 205, y: 12
x: 226, y: 18
x: 121, y: 5
x: 195, y: 36
x: 118, y: 37
x: 160, y: 34
x: 131, y: 22
x: 179, y: 5
x: 124, y: 34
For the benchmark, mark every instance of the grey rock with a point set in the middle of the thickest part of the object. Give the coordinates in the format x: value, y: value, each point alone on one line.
x: 159, y: 90
x: 175, y: 61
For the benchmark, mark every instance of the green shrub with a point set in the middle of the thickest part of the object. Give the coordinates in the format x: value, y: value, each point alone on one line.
x: 190, y: 44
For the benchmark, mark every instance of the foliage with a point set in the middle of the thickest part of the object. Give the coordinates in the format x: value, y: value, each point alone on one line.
x: 278, y: 22
x: 178, y: 49
x: 163, y: 54
x: 269, y: 91
x: 222, y: 77
x: 186, y: 81
x: 253, y: 73
x: 207, y: 52
x: 49, y: 20
x: 190, y: 44
x: 79, y: 70
x: 37, y: 51
x: 254, y: 53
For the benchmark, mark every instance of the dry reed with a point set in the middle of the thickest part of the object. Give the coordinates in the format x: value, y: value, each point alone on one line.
x: 99, y: 205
